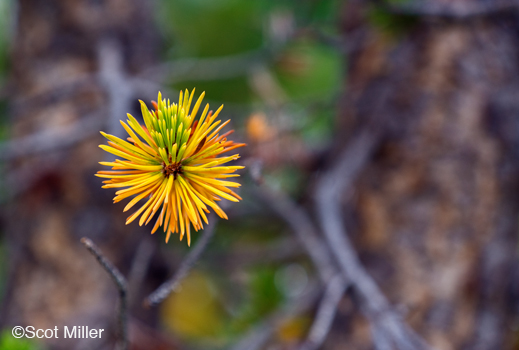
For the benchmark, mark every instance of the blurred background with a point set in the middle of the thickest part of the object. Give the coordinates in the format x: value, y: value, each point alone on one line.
x: 393, y: 125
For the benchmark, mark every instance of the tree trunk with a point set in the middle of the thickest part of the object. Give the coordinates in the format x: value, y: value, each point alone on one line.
x: 437, y: 207
x: 68, y: 61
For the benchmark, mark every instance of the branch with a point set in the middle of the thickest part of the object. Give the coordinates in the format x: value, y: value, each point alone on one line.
x: 51, y: 140
x: 303, y: 228
x: 215, y: 68
x: 381, y: 340
x: 122, y: 287
x: 319, y: 253
x: 119, y: 90
x: 325, y: 314
x: 330, y: 189
x: 22, y: 106
x: 456, y: 11
x: 186, y: 265
x: 116, y: 83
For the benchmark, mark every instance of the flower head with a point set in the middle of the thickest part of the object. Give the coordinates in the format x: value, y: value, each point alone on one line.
x: 173, y: 163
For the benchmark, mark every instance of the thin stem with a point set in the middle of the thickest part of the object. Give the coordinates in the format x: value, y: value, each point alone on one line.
x: 186, y: 265
x: 303, y: 227
x: 329, y: 194
x: 207, y: 68
x: 43, y: 142
x: 122, y: 287
x: 325, y: 314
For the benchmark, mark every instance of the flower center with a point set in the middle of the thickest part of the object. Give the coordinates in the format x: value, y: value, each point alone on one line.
x: 172, y: 169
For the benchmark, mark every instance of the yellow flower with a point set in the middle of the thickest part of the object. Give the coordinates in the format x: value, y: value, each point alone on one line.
x: 172, y: 162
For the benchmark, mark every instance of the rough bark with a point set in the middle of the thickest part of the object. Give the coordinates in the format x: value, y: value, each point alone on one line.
x: 436, y: 209
x: 57, y: 81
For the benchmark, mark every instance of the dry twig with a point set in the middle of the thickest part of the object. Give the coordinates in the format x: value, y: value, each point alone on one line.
x: 386, y: 325
x: 117, y: 85
x: 122, y: 287
x: 319, y: 253
x: 455, y: 10
x: 330, y: 189
x: 325, y: 314
x: 303, y: 228
x: 52, y: 140
x: 186, y: 265
x: 214, y: 68
x: 22, y: 106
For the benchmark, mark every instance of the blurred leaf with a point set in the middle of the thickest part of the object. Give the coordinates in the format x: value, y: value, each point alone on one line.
x: 319, y: 126
x: 391, y: 23
x: 194, y: 311
x: 319, y: 13
x: 325, y: 11
x: 234, y: 90
x: 263, y: 298
x: 288, y: 178
x: 309, y: 71
x: 294, y: 329
x: 6, y: 17
x: 211, y: 28
x: 254, y: 230
x: 8, y: 342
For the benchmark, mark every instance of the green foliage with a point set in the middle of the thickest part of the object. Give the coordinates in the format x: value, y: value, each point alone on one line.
x: 207, y: 28
x: 5, y: 33
x: 194, y: 312
x: 263, y: 297
x: 246, y: 231
x: 233, y: 91
x: 308, y: 71
x: 320, y: 14
x: 317, y: 130
x: 288, y: 178
x: 391, y: 23
x: 324, y: 13
x: 6, y: 17
x: 8, y: 342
